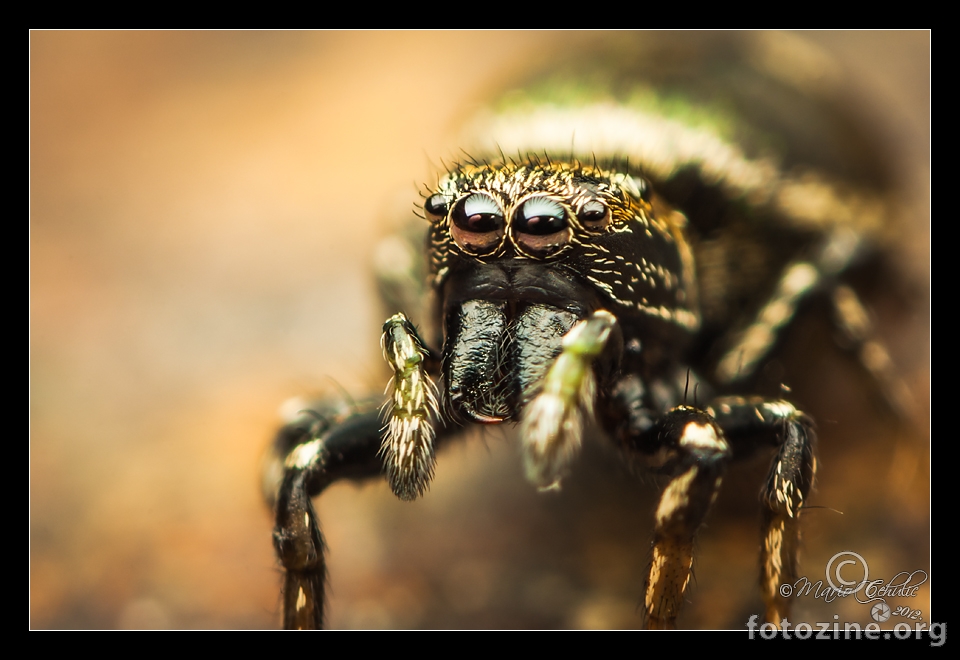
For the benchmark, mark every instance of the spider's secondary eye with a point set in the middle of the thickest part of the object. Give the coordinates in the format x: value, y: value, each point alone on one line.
x: 477, y: 223
x: 540, y: 216
x: 540, y: 227
x: 437, y: 206
x: 594, y: 215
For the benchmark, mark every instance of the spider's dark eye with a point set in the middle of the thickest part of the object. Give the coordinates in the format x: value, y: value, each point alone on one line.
x: 540, y: 227
x: 437, y: 206
x: 594, y: 215
x: 478, y: 213
x: 540, y: 216
x: 477, y: 223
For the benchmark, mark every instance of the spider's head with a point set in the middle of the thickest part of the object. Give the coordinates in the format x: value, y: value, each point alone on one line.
x: 521, y: 251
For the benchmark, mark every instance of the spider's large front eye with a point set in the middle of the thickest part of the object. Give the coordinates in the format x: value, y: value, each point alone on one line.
x: 477, y: 223
x: 540, y: 226
x: 594, y: 215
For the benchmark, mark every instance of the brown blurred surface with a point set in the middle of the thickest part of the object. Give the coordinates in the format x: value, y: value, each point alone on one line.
x: 203, y: 211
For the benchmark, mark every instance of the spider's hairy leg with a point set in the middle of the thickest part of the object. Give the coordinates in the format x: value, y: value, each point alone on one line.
x: 552, y: 422
x: 798, y: 281
x: 310, y: 453
x: 750, y: 424
x: 698, y: 458
x: 408, y: 441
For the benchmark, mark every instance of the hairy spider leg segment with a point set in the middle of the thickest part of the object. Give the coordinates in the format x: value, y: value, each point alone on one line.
x: 316, y: 455
x: 552, y: 425
x: 701, y: 456
x: 749, y: 424
x: 797, y: 282
x: 410, y: 413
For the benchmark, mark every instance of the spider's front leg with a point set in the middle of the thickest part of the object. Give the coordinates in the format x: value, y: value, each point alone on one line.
x: 316, y: 448
x: 696, y: 455
x: 326, y: 443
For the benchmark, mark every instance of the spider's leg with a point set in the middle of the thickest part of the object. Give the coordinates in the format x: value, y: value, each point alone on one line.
x: 686, y: 445
x: 752, y: 345
x: 695, y: 455
x: 310, y: 453
x: 327, y: 442
x: 750, y: 424
x: 798, y: 280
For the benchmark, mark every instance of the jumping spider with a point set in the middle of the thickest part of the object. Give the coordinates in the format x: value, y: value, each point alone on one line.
x: 618, y: 257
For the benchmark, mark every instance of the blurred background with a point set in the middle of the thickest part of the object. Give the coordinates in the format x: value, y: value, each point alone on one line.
x: 204, y: 211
